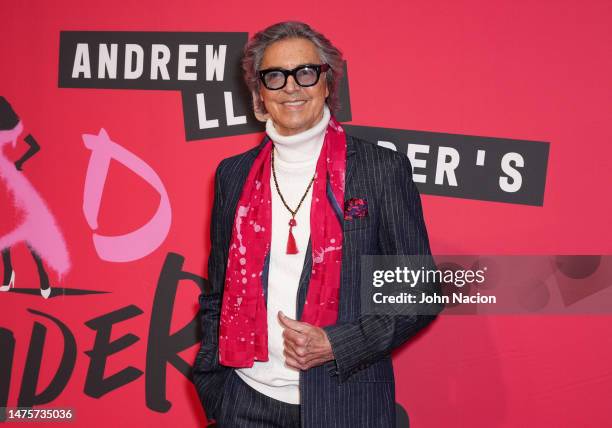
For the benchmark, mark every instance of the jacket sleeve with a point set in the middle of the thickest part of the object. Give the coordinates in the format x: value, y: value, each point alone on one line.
x: 402, y: 231
x: 208, y: 375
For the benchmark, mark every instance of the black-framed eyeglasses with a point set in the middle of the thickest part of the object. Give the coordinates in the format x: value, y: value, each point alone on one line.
x: 304, y: 75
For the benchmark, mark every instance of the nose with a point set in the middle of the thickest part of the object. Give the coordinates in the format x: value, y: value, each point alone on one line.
x: 291, y: 86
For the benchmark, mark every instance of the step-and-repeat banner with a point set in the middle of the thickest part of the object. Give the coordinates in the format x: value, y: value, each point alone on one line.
x: 114, y: 116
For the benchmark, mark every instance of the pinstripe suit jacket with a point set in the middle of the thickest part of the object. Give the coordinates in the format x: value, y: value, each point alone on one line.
x: 357, y: 389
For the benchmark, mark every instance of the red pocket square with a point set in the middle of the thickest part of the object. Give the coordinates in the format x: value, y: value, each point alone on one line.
x: 355, y: 208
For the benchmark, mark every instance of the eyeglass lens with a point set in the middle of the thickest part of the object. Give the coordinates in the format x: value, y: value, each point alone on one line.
x: 304, y: 76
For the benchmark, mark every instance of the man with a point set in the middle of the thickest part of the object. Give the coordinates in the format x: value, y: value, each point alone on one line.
x: 285, y: 344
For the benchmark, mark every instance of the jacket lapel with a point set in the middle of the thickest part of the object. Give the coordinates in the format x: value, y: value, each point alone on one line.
x: 350, y: 161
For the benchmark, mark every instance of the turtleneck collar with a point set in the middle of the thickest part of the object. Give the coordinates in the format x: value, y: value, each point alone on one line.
x: 302, y: 147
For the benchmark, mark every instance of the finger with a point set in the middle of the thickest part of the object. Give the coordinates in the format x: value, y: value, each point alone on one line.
x: 298, y: 339
x: 296, y: 351
x: 302, y: 364
x: 292, y: 363
x: 316, y: 362
x: 285, y: 321
x: 301, y: 356
x: 290, y: 348
x: 290, y: 353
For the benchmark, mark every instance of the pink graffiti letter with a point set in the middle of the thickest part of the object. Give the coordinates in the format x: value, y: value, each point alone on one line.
x: 142, y: 241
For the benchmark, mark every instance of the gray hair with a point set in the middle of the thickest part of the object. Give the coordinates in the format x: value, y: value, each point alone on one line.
x: 328, y: 53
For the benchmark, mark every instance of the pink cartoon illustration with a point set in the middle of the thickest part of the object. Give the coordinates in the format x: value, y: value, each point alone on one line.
x: 37, y: 227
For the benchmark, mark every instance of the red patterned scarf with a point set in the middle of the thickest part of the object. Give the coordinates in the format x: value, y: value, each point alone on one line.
x: 243, y: 327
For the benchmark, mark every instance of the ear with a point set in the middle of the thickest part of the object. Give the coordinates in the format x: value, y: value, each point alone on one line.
x: 259, y: 115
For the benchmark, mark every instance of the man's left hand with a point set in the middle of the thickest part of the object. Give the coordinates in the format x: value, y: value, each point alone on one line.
x: 306, y: 345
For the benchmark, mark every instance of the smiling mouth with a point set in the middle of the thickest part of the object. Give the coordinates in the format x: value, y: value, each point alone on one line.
x: 295, y: 103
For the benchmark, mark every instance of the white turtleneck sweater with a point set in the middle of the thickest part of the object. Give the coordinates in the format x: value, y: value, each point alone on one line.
x: 295, y: 159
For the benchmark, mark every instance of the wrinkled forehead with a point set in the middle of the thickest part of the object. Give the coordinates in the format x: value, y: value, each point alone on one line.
x: 290, y: 53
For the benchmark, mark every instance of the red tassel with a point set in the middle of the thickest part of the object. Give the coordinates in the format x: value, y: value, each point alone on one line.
x: 291, y: 245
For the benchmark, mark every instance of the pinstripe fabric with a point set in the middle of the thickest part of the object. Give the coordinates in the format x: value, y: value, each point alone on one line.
x: 357, y: 389
x: 243, y: 406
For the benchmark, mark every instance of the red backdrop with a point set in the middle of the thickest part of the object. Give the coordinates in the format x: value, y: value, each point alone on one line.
x: 526, y: 70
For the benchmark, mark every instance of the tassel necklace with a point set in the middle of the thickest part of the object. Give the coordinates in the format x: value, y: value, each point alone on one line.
x: 291, y: 245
